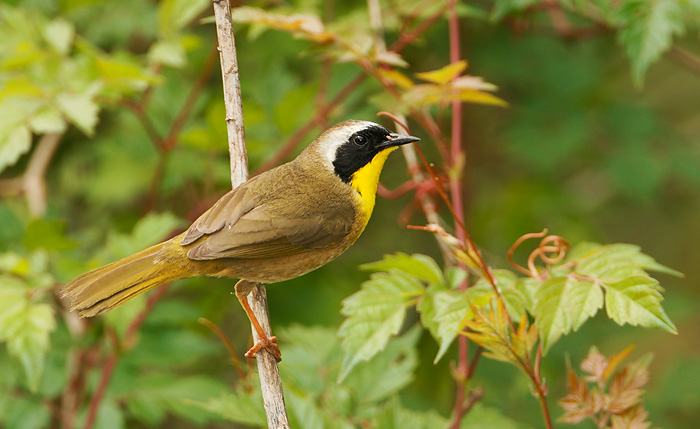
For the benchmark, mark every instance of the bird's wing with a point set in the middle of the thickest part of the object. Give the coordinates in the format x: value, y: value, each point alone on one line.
x: 270, y: 231
x: 227, y: 211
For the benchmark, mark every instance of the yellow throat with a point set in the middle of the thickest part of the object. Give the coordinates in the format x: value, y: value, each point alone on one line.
x: 365, y: 181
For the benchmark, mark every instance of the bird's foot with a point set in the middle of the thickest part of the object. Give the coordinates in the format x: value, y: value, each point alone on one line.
x: 267, y: 343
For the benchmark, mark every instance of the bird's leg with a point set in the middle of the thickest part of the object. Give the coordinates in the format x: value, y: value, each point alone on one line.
x: 243, y: 289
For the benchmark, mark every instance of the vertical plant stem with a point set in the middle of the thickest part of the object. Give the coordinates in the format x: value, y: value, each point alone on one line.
x: 456, y: 166
x: 270, y: 381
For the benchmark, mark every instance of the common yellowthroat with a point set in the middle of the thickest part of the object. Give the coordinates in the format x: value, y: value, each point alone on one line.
x: 276, y: 226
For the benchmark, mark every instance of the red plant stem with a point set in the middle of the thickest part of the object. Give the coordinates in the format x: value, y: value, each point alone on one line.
x: 456, y: 155
x: 106, y: 375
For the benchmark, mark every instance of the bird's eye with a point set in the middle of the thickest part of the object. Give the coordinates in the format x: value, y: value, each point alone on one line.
x: 359, y: 140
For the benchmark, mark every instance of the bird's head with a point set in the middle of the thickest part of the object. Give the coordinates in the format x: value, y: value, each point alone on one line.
x: 355, y: 151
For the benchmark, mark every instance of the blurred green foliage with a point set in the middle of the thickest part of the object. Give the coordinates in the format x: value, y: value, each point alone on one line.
x: 599, y: 142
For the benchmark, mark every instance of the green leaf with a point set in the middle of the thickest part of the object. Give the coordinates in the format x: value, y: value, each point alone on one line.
x: 420, y: 266
x: 489, y: 418
x: 162, y: 392
x: 452, y: 309
x: 303, y: 410
x: 239, y: 407
x: 394, y: 416
x: 24, y: 413
x: 427, y: 309
x: 14, y: 142
x: 637, y: 301
x: 562, y: 305
x: 618, y: 261
x: 25, y: 327
x: 168, y: 52
x: 147, y: 231
x: 174, y: 15
x: 59, y: 34
x: 375, y: 313
x: 81, y: 109
x: 647, y: 30
x: 47, y: 235
x: 387, y: 373
x: 48, y: 120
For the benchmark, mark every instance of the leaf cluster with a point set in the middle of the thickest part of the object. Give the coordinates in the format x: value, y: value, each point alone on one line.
x: 560, y: 299
x: 611, y: 399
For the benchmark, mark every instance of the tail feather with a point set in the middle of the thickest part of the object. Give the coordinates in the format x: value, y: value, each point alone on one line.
x: 107, y: 287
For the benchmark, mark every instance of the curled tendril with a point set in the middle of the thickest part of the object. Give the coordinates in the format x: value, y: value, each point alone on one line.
x: 552, y: 249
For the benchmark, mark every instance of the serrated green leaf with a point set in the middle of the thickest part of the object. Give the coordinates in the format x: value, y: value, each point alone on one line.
x: 506, y: 281
x: 427, y: 310
x: 452, y: 309
x: 618, y: 261
x: 81, y: 109
x: 375, y: 313
x: 14, y: 142
x: 418, y: 265
x: 585, y: 299
x: 637, y: 301
x: 562, y: 305
x: 387, y: 373
x: 647, y: 30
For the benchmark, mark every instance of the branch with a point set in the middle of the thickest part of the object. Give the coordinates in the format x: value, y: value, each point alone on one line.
x: 232, y: 92
x: 32, y: 182
x: 270, y: 382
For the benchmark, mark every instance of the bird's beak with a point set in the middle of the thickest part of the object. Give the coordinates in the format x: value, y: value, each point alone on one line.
x: 396, y: 140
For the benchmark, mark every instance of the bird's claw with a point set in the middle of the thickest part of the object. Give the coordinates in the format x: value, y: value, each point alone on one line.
x: 267, y: 343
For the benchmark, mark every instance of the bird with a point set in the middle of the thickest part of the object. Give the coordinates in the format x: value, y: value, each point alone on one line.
x: 275, y: 226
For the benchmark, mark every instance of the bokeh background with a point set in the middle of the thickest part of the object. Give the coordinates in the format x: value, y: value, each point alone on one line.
x: 584, y: 149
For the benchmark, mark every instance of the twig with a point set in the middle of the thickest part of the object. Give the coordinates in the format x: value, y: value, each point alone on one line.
x: 685, y: 58
x: 231, y: 350
x: 270, y: 381
x: 232, y: 92
x: 32, y: 182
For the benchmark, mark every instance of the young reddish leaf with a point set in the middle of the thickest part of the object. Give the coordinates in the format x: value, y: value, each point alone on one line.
x: 574, y: 402
x: 631, y: 419
x: 625, y: 389
x: 615, y: 361
x: 595, y: 364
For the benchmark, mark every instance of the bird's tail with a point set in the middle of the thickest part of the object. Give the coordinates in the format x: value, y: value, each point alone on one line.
x: 105, y: 288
